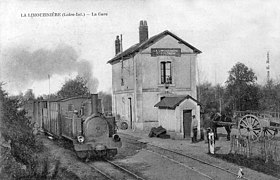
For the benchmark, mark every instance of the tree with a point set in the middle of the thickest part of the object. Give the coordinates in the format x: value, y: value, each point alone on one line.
x: 29, y: 95
x: 74, y: 87
x: 242, y: 93
x: 206, y: 94
x: 106, y: 101
x: 52, y: 96
x: 16, y: 129
x: 270, y: 97
x: 241, y: 74
x: 211, y: 96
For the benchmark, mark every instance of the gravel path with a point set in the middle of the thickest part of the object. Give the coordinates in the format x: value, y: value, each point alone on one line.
x: 150, y: 165
x: 198, y: 150
x: 69, y: 162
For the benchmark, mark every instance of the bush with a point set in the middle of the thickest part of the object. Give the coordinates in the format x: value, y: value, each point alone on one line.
x: 18, y: 131
x: 10, y: 168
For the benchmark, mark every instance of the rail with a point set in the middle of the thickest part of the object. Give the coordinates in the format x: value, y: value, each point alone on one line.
x: 123, y: 173
x: 187, y: 156
x: 124, y: 170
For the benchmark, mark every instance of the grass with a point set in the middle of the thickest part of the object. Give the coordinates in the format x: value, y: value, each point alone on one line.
x: 256, y: 164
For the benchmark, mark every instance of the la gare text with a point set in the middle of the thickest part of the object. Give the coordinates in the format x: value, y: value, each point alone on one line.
x: 62, y: 14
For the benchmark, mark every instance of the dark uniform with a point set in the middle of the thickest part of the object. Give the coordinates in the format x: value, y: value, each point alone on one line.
x: 194, y: 127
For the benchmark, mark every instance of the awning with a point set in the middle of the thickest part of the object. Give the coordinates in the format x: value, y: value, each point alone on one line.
x: 172, y: 102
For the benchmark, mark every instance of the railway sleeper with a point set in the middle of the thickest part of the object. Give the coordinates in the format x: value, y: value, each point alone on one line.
x: 90, y: 154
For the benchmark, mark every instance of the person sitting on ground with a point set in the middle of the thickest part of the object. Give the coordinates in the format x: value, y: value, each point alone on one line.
x: 194, y: 127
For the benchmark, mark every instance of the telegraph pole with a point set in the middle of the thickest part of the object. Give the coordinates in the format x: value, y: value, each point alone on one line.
x: 220, y: 101
x: 267, y: 66
x: 49, y: 77
x: 215, y: 82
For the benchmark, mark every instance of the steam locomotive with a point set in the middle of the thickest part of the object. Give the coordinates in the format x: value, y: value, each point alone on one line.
x: 79, y: 120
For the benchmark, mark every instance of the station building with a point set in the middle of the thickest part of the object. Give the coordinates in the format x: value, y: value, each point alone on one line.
x: 154, y: 82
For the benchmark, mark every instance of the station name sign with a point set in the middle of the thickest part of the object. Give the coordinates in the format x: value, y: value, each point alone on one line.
x: 165, y: 52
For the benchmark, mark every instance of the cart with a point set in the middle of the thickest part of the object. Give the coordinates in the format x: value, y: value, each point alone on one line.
x: 254, y: 125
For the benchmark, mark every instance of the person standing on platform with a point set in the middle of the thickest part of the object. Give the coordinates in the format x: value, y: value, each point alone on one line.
x: 206, y: 125
x: 194, y: 128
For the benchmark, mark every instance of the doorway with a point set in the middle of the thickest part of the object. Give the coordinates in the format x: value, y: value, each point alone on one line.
x: 130, y: 112
x: 187, y: 121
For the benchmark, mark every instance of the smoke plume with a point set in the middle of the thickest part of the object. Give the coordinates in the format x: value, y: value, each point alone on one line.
x: 20, y: 67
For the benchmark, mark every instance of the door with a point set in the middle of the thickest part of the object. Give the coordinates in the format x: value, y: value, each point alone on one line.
x: 187, y: 121
x: 130, y: 113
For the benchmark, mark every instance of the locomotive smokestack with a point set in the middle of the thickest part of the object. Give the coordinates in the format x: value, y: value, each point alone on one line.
x: 143, y: 31
x: 94, y: 103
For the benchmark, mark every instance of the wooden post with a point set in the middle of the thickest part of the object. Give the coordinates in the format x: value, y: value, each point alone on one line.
x: 276, y: 157
x: 248, y: 147
x: 265, y: 151
x: 232, y: 144
x: 238, y: 145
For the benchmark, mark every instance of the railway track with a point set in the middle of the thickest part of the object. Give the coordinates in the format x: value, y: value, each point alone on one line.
x: 113, y: 171
x: 177, y: 157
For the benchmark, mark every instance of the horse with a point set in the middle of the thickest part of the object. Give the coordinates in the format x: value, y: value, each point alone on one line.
x: 217, y: 117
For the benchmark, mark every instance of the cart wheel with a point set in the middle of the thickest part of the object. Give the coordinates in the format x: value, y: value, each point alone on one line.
x: 124, y: 125
x: 249, y: 126
x: 269, y: 133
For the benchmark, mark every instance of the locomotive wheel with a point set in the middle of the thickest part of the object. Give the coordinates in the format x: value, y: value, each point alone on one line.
x: 249, y: 126
x: 124, y: 125
x: 269, y: 133
x: 81, y: 154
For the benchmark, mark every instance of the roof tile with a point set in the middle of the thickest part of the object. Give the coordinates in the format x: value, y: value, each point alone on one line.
x: 139, y: 46
x: 172, y: 102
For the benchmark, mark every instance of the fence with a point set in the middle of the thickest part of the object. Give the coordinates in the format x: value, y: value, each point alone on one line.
x: 268, y: 150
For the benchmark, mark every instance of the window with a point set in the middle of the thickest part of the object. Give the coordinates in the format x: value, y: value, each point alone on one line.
x: 165, y: 68
x: 122, y: 82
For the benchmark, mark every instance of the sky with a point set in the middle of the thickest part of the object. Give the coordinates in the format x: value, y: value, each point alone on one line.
x: 227, y: 32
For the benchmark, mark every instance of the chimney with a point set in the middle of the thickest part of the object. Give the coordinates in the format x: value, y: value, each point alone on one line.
x: 94, y: 103
x: 143, y: 31
x: 117, y: 45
